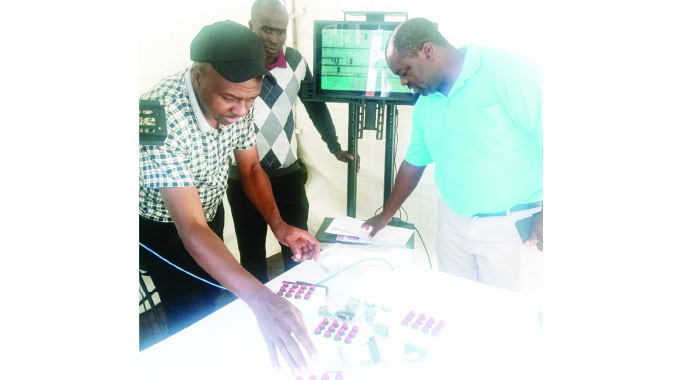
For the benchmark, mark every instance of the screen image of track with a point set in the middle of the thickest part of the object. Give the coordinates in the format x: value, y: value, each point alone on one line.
x: 354, y: 60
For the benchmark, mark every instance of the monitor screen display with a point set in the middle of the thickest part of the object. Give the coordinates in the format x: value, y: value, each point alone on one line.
x: 349, y: 61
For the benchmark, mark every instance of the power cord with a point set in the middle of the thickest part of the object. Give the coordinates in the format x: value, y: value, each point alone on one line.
x: 189, y: 273
x: 300, y: 282
x: 424, y: 246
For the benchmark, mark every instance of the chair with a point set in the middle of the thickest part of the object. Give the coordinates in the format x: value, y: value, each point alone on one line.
x: 147, y: 296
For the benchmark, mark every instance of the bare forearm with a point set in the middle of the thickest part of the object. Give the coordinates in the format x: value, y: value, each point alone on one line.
x: 258, y: 189
x: 213, y: 256
x: 407, y: 180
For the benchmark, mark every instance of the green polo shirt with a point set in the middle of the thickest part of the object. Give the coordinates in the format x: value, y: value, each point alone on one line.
x: 486, y: 136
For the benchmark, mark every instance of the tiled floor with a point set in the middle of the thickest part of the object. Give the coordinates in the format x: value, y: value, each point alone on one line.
x: 149, y: 330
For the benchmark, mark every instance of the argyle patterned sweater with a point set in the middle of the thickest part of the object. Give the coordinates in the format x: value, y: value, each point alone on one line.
x: 273, y: 114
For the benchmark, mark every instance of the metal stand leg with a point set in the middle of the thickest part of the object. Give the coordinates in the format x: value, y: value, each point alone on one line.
x: 354, y: 120
x: 389, y: 153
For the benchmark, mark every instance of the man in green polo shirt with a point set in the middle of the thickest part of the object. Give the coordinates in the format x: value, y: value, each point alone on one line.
x: 479, y: 119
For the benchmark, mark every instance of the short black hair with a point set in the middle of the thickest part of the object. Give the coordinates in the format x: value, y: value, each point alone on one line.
x: 413, y: 33
x: 260, y: 3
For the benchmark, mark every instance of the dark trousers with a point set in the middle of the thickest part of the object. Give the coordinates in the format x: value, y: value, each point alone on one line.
x: 185, y: 299
x: 251, y: 228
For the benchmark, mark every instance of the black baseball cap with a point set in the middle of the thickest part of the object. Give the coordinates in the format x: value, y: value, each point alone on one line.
x: 233, y: 50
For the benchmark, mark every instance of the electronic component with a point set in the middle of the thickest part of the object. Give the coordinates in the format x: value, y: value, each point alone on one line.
x: 152, y: 125
x: 353, y: 304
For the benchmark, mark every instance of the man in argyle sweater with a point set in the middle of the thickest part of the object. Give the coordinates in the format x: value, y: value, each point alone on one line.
x: 276, y: 143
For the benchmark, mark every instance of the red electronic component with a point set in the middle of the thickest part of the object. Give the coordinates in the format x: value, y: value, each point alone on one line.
x: 317, y: 331
x: 338, y: 376
x: 324, y: 376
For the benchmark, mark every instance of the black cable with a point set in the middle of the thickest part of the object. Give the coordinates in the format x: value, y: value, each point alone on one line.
x: 424, y: 246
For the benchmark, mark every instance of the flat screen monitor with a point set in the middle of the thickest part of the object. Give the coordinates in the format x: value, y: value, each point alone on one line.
x: 349, y: 61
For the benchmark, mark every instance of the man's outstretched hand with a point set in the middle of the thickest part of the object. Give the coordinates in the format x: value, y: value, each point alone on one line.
x: 377, y: 222
x: 301, y: 242
x: 283, y: 330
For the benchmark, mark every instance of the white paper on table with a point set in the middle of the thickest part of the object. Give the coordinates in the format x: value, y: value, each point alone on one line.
x: 349, y: 226
x: 357, y: 240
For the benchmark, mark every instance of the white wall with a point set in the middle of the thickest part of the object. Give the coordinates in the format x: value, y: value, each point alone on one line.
x: 164, y: 49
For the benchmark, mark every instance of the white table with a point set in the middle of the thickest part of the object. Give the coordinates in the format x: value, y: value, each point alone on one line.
x: 490, y: 333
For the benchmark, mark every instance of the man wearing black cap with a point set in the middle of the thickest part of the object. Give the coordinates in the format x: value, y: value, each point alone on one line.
x: 208, y: 113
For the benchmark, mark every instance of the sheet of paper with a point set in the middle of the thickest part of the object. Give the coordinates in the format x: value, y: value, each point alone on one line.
x: 357, y: 240
x: 349, y: 226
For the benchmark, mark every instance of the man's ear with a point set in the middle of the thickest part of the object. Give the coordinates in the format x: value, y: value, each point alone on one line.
x: 250, y: 25
x: 428, y: 50
x: 195, y: 74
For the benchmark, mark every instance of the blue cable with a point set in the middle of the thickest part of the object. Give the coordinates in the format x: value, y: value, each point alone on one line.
x: 222, y: 287
x: 190, y: 274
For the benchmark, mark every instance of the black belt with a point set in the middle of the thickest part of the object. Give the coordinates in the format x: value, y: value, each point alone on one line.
x: 271, y: 173
x: 520, y: 207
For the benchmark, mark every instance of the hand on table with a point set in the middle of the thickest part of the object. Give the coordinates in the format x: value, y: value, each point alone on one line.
x: 377, y: 222
x: 283, y: 330
x: 537, y: 232
x: 345, y: 156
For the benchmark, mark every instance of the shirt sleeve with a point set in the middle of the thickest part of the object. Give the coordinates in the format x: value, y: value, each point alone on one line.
x: 246, y: 129
x: 417, y: 153
x: 321, y: 118
x: 520, y: 90
x: 167, y: 165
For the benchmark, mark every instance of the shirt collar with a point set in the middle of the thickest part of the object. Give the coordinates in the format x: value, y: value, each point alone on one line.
x: 202, y: 122
x: 280, y: 60
x: 470, y: 67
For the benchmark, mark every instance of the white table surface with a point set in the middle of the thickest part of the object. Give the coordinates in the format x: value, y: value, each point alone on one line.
x: 490, y: 333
